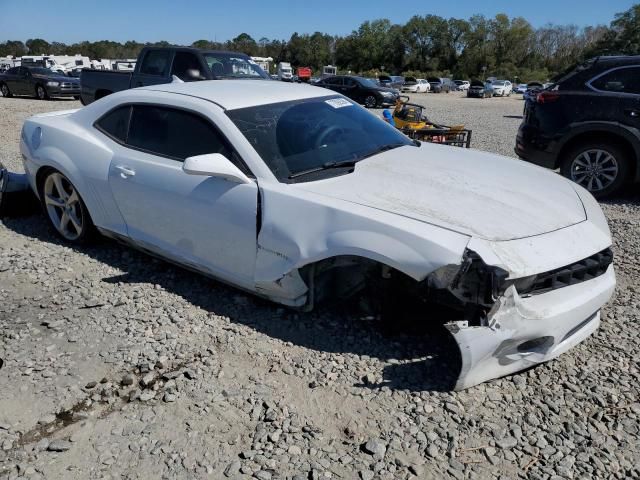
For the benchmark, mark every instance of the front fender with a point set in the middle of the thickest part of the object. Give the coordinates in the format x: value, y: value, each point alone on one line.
x: 300, y: 228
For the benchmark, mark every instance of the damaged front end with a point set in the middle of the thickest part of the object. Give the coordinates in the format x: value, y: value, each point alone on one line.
x: 508, y: 325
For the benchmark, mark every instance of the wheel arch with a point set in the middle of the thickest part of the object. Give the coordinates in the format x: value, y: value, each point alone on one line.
x: 56, y: 160
x: 286, y: 270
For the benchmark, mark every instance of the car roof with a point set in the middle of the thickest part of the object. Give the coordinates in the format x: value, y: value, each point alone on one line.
x: 195, y: 50
x: 619, y: 58
x: 233, y: 94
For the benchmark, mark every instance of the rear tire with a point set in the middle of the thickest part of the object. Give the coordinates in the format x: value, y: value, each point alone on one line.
x: 65, y: 209
x: 41, y: 93
x: 370, y: 101
x: 598, y: 166
x: 4, y: 88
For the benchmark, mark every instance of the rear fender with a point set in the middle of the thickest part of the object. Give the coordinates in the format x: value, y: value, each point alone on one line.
x: 630, y: 134
x: 88, y: 177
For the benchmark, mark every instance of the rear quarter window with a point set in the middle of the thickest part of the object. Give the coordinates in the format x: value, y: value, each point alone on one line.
x: 620, y: 80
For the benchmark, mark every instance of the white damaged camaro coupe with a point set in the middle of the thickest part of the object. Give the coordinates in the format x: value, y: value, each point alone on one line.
x: 301, y: 196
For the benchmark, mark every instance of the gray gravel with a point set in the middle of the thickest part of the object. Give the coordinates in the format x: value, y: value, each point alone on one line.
x: 117, y: 365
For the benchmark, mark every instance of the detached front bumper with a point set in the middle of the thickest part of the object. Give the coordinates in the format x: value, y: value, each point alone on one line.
x: 523, y: 332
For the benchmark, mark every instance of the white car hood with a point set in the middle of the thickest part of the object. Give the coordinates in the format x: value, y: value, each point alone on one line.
x: 475, y: 193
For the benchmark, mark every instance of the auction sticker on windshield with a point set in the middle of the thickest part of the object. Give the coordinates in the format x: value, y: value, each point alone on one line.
x: 338, y: 102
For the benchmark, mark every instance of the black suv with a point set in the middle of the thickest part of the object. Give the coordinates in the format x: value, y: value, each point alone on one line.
x: 362, y: 90
x: 587, y: 124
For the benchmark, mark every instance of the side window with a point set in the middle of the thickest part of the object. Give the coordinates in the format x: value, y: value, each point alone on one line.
x: 334, y: 81
x: 115, y: 123
x: 349, y: 82
x: 622, y: 80
x: 186, y: 66
x: 173, y: 133
x: 155, y: 62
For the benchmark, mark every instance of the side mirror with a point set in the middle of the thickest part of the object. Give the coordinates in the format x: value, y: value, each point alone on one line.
x: 193, y: 74
x: 214, y: 165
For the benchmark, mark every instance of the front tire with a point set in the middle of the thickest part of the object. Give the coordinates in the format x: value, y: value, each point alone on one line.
x: 599, y: 167
x: 5, y: 90
x: 370, y: 101
x: 41, y: 93
x: 65, y: 209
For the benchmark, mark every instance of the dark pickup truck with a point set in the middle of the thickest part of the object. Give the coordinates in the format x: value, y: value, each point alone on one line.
x: 158, y: 65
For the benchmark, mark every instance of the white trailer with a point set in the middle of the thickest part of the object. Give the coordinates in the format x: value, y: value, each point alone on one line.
x: 285, y: 72
x: 62, y: 64
x: 6, y: 63
x: 263, y: 62
x: 329, y: 71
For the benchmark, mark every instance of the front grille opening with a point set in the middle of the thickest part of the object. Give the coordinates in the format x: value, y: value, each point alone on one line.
x: 581, y: 271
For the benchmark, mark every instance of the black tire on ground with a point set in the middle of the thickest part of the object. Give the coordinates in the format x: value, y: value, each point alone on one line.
x: 41, y: 93
x: 76, y: 207
x: 599, y: 166
x: 370, y: 101
x: 4, y: 89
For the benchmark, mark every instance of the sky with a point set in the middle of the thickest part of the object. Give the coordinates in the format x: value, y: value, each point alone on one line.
x: 184, y: 21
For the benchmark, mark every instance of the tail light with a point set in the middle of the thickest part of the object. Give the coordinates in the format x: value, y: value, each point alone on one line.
x: 547, y: 97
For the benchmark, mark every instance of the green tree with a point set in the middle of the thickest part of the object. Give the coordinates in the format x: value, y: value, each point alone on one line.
x: 623, y: 36
x: 37, y: 46
x: 244, y: 43
x: 15, y: 48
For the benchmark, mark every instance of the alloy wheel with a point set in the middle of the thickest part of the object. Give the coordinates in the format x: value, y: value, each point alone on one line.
x: 370, y: 101
x: 594, y: 169
x: 5, y: 90
x: 63, y: 206
x: 40, y: 92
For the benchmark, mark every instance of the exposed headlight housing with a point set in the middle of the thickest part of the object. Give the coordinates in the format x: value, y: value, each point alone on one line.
x: 53, y: 84
x: 387, y: 94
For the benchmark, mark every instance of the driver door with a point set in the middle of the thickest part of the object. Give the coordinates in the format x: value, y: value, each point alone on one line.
x: 23, y: 83
x: 350, y: 89
x: 204, y: 222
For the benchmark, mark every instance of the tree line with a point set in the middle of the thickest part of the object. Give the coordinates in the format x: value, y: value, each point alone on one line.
x: 425, y: 45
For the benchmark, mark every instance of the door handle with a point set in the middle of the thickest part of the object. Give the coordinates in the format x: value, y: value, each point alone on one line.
x: 125, y: 171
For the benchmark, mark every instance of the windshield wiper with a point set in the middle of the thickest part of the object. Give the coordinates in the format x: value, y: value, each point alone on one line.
x: 383, y: 148
x: 324, y: 166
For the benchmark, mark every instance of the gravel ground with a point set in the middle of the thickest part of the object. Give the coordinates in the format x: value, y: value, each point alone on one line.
x: 117, y: 365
